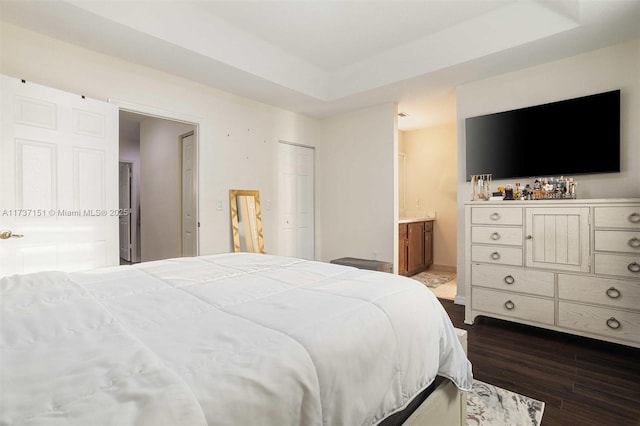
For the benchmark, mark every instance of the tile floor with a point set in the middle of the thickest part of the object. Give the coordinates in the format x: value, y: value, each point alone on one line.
x: 447, y: 290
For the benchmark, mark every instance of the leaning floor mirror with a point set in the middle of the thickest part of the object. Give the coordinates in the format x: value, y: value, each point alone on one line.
x: 246, y: 221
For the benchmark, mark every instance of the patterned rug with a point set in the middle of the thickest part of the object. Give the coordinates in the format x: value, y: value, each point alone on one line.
x: 433, y: 279
x: 489, y: 405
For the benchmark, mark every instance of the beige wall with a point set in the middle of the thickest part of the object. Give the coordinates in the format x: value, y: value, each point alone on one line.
x: 238, y: 139
x: 238, y: 136
x: 357, y: 199
x: 161, y: 188
x: 431, y: 159
x: 402, y: 176
x: 616, y: 67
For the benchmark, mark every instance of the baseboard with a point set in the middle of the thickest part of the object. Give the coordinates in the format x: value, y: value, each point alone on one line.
x: 443, y: 268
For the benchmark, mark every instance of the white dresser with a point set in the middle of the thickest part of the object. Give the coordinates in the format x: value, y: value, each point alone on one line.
x: 566, y: 265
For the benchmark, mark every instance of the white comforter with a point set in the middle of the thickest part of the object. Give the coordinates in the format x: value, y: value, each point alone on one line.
x: 236, y: 339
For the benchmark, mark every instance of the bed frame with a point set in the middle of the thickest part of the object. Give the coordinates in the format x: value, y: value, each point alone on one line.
x: 446, y: 405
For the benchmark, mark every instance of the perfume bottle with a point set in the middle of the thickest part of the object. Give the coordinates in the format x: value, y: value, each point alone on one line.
x: 508, y: 192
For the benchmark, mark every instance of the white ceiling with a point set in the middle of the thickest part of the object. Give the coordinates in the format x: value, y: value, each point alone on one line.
x: 321, y: 57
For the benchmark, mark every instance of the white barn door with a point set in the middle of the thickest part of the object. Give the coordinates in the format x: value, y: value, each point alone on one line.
x: 58, y: 180
x: 296, y: 194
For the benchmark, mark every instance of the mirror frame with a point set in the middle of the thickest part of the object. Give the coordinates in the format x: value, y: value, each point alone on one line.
x: 235, y: 226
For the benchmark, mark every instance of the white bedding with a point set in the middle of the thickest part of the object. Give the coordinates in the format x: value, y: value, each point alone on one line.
x: 236, y: 339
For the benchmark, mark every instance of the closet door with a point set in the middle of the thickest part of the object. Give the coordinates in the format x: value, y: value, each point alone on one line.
x: 296, y: 194
x: 59, y: 180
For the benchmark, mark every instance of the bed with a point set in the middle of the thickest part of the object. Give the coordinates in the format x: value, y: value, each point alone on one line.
x: 226, y: 339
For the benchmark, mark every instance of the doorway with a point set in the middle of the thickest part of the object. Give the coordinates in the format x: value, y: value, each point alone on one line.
x: 125, y: 186
x: 163, y: 190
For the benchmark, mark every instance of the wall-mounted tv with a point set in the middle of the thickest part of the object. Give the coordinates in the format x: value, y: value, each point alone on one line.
x: 571, y: 137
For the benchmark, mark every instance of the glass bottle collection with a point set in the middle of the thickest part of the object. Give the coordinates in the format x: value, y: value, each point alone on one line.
x: 547, y: 188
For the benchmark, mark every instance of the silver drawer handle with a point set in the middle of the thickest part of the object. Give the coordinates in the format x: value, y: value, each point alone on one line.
x: 495, y: 255
x: 634, y: 267
x: 509, y: 305
x: 509, y: 279
x: 613, y: 323
x: 495, y: 236
x: 634, y: 242
x: 634, y: 218
x: 613, y: 292
x: 496, y: 216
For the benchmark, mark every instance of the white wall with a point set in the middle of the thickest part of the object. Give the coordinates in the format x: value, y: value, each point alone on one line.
x: 238, y: 137
x: 616, y: 67
x: 431, y: 159
x: 357, y: 196
x: 161, y: 188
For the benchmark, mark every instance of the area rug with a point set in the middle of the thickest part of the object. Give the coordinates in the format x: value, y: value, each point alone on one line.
x: 433, y: 279
x: 489, y: 405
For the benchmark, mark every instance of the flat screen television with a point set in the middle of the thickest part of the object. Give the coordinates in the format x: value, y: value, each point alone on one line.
x: 571, y: 137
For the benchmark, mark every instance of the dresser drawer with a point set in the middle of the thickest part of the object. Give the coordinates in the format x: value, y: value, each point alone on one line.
x: 526, y: 308
x: 601, y: 291
x: 496, y: 235
x: 513, y: 279
x: 617, y: 217
x: 497, y: 255
x: 496, y: 215
x: 620, y: 241
x: 603, y: 321
x: 627, y: 266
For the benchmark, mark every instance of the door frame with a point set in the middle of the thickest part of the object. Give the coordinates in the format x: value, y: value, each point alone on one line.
x: 199, y: 132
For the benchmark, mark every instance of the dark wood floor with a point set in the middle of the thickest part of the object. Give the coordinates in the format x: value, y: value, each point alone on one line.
x: 582, y: 381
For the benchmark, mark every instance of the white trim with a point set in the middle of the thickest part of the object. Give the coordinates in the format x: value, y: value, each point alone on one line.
x: 156, y: 112
x: 296, y: 144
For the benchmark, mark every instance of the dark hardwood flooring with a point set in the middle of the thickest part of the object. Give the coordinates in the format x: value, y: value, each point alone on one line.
x: 582, y: 381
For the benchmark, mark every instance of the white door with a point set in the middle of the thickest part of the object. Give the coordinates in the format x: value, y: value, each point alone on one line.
x: 189, y: 221
x: 125, y: 211
x: 59, y: 180
x: 296, y: 194
x: 558, y: 238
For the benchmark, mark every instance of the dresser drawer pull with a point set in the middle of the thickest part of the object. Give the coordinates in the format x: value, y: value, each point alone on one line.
x: 613, y: 292
x: 509, y: 305
x: 634, y: 267
x: 634, y: 217
x: 613, y: 323
x: 509, y: 279
x: 495, y: 256
x: 634, y: 242
x: 496, y: 216
x: 495, y: 236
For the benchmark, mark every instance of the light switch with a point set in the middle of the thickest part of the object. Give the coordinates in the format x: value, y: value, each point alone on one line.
x: 219, y: 205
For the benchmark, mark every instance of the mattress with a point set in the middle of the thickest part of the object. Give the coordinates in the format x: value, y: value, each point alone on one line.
x: 227, y: 339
